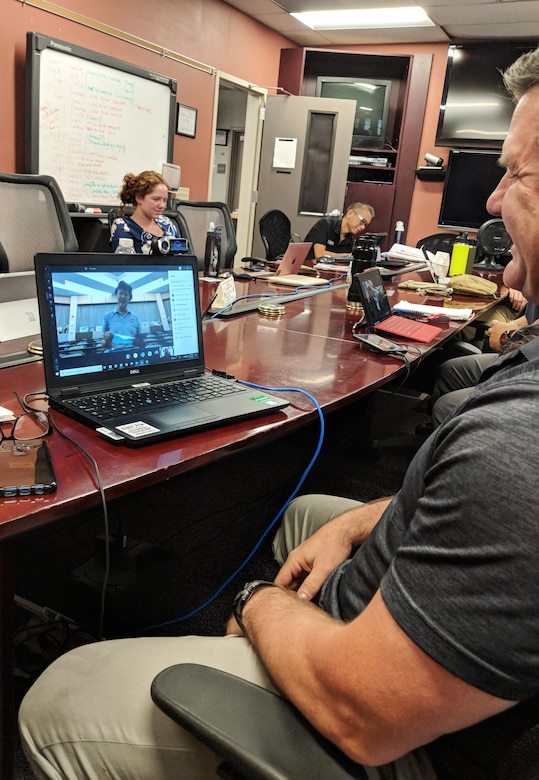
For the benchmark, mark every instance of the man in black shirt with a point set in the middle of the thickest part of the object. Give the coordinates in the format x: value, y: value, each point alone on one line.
x: 335, y: 236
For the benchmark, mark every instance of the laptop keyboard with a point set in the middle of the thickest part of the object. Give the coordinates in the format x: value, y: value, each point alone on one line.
x: 138, y: 399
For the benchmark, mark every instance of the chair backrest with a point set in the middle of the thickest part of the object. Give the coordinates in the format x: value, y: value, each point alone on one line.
x: 438, y: 242
x: 275, y: 231
x: 33, y: 218
x: 198, y: 215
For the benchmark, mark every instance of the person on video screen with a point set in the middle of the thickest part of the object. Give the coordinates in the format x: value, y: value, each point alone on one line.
x: 121, y: 327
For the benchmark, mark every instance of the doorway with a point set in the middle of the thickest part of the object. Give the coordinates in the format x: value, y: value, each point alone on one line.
x: 237, y: 133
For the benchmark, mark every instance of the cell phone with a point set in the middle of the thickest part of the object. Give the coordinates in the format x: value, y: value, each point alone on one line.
x: 380, y: 344
x: 26, y: 469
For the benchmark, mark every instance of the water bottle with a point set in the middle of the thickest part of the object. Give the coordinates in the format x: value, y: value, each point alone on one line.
x: 212, y: 254
x: 125, y: 247
x: 399, y: 231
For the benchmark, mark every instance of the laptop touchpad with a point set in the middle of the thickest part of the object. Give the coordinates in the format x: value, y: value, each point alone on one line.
x: 180, y: 414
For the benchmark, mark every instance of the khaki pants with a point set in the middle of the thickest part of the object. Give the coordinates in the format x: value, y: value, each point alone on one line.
x: 90, y: 714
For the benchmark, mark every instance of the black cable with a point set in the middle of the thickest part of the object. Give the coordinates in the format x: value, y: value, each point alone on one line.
x: 41, y: 395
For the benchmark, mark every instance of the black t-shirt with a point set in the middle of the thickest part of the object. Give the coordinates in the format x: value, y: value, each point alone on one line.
x: 327, y: 231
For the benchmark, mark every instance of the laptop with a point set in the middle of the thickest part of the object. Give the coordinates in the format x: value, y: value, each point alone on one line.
x: 97, y: 355
x: 19, y: 315
x: 378, y: 311
x: 288, y: 272
x: 17, y: 286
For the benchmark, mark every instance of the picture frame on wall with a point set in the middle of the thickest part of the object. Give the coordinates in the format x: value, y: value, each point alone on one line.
x: 186, y: 122
x: 221, y: 137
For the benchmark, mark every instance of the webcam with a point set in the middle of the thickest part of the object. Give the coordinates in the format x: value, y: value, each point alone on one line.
x: 431, y: 159
x: 168, y: 245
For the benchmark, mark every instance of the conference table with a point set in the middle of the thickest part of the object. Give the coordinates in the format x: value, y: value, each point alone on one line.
x: 311, y: 348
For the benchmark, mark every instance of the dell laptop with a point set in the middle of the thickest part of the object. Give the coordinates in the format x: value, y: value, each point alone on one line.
x: 378, y: 313
x: 123, y: 349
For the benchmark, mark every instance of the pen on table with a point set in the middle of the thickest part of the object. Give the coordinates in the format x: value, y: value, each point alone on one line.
x: 208, y: 307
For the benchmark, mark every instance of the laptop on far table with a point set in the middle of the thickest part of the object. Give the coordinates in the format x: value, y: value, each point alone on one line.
x: 288, y: 272
x: 378, y: 311
x: 18, y: 305
x: 152, y: 355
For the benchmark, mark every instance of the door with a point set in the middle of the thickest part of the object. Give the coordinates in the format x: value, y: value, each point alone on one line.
x: 304, y: 160
x: 238, y: 108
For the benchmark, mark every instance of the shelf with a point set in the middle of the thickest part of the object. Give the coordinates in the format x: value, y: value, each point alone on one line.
x: 430, y: 173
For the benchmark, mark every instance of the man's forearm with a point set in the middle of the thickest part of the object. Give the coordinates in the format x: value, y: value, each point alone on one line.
x: 360, y: 521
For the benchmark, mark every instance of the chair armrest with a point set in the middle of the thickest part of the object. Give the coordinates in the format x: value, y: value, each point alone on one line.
x: 257, y: 733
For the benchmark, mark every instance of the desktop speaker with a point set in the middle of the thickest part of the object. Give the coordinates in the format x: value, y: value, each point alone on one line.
x: 493, y: 244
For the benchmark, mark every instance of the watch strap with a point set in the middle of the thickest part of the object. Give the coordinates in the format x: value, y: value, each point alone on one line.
x: 248, y: 590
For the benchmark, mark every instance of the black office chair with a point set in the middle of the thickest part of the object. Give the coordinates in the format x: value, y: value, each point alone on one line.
x: 438, y: 242
x: 275, y: 231
x: 198, y: 215
x: 261, y: 736
x: 33, y: 218
x: 174, y: 216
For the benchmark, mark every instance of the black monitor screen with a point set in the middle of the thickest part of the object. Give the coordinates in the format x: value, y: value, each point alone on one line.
x: 471, y: 177
x: 476, y: 109
x: 372, y: 105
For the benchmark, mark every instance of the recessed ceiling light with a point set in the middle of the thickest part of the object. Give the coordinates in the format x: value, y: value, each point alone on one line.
x: 365, y: 18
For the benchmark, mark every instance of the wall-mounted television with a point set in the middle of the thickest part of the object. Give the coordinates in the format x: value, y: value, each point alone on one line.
x: 476, y: 109
x: 372, y: 106
x: 471, y: 176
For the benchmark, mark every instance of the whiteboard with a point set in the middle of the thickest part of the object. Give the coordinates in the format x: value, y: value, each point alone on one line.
x: 92, y: 119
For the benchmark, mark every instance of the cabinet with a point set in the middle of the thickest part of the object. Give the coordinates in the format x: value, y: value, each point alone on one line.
x: 383, y: 177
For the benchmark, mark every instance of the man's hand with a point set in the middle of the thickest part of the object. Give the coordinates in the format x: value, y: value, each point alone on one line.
x: 497, y: 328
x: 310, y: 564
x: 518, y: 301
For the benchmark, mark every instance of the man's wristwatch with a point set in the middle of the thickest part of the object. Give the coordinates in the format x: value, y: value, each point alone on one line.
x: 505, y: 337
x: 244, y: 595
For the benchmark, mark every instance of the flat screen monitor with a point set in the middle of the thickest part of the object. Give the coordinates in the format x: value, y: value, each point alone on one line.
x: 372, y: 106
x: 476, y: 109
x: 471, y: 176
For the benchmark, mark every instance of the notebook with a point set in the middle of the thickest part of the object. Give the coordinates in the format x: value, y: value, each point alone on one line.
x: 378, y: 311
x: 288, y: 272
x: 94, y: 353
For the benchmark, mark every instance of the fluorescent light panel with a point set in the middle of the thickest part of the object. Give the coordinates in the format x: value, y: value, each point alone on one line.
x: 368, y: 18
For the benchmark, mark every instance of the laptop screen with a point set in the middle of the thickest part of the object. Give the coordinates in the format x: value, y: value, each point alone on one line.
x: 374, y: 297
x: 103, y: 320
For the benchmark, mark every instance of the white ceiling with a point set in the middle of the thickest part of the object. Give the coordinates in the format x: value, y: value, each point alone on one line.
x: 455, y: 20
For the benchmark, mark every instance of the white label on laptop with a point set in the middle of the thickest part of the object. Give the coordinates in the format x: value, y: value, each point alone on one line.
x: 136, y: 429
x: 226, y: 293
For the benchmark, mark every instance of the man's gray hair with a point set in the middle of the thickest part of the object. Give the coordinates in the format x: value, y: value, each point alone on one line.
x: 522, y: 75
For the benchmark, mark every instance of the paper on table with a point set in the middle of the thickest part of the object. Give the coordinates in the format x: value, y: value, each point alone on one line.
x: 6, y: 415
x: 424, y: 310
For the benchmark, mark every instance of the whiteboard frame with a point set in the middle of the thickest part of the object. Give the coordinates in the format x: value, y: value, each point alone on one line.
x: 36, y: 44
